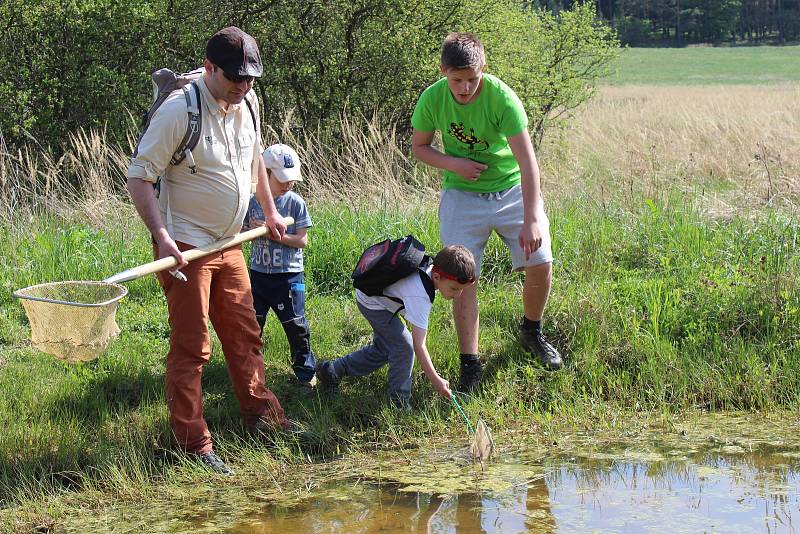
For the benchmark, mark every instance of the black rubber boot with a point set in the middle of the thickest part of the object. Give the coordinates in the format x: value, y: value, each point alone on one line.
x: 328, y: 380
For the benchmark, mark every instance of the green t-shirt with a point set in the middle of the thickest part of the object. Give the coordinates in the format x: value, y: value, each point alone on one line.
x: 478, y: 131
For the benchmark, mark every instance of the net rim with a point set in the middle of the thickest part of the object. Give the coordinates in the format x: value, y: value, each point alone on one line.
x: 122, y: 292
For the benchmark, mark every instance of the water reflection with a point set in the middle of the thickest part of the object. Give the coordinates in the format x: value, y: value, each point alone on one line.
x: 723, y: 495
x: 523, y: 508
x: 745, y: 493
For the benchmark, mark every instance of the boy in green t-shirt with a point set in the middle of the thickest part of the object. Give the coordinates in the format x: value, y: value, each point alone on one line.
x: 491, y: 183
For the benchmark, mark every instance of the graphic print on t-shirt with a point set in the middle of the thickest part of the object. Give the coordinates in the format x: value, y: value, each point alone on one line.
x: 471, y: 140
x: 269, y: 256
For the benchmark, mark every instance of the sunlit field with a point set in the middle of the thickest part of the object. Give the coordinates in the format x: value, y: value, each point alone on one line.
x: 675, y: 232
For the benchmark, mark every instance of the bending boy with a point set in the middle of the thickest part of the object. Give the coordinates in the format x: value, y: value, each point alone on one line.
x: 491, y: 183
x: 453, y: 271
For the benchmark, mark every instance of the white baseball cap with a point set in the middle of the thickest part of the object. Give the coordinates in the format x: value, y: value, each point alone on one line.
x: 284, y: 163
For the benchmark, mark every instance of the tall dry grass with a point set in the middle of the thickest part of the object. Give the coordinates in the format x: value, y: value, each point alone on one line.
x: 364, y: 160
x: 727, y: 148
x: 86, y: 182
x: 730, y: 147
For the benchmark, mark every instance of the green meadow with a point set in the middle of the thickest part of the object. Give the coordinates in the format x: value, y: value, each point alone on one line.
x: 705, y: 65
x: 657, y: 310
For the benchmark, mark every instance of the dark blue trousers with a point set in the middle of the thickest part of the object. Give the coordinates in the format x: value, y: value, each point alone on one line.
x: 285, y: 295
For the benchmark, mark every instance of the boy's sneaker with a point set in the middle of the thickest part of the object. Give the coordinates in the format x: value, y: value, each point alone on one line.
x: 309, y: 384
x: 268, y: 427
x: 215, y: 464
x: 328, y: 379
x: 401, y: 404
x: 534, y: 342
x: 293, y: 428
x: 471, y: 376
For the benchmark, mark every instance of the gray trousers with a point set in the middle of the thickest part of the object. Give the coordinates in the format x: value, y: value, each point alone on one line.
x: 391, y: 342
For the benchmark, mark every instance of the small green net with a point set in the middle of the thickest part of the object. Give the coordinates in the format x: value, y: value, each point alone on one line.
x: 73, y: 321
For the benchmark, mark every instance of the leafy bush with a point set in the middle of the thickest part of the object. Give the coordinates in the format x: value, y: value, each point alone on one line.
x: 87, y: 62
x: 551, y: 61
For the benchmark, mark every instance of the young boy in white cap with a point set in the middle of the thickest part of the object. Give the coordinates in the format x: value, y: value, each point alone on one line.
x: 276, y: 266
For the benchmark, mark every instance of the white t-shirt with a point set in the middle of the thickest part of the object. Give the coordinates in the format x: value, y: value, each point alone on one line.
x: 411, y: 291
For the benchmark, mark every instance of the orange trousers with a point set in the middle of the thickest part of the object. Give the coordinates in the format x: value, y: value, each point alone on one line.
x: 218, y: 288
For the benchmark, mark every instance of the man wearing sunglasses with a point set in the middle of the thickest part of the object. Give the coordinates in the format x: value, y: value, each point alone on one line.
x: 201, y: 199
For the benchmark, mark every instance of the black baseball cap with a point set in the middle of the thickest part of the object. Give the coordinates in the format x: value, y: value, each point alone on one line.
x: 235, y: 52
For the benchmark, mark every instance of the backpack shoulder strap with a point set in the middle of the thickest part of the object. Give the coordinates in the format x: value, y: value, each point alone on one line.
x: 427, y: 283
x: 251, y: 100
x: 192, y: 136
x: 251, y: 110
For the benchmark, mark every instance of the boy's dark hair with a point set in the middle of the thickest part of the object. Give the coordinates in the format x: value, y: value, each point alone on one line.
x: 462, y: 50
x: 457, y: 262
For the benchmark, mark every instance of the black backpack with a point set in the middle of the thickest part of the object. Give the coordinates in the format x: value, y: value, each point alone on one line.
x: 385, y: 263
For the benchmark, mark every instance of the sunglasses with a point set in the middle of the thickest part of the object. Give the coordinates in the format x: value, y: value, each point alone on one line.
x: 234, y: 78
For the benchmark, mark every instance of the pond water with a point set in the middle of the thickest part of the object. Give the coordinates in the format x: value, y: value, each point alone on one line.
x: 712, y: 475
x: 716, y: 494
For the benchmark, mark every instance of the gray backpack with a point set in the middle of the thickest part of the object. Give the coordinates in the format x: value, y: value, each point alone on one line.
x: 165, y: 82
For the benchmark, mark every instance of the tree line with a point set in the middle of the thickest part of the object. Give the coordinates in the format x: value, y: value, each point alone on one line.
x: 682, y: 22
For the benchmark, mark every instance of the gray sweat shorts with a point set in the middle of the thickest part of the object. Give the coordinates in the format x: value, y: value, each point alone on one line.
x: 467, y: 218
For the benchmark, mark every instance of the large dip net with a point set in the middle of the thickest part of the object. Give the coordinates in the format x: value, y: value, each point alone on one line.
x: 73, y: 321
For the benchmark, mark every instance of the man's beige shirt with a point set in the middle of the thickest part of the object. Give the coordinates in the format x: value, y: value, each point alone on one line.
x: 200, y: 208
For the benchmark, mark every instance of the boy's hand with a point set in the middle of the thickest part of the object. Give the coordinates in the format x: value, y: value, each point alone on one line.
x: 443, y: 387
x: 468, y: 169
x: 530, y: 238
x: 254, y: 223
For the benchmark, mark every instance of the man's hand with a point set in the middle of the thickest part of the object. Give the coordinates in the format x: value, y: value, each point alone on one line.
x: 442, y: 387
x: 277, y: 228
x: 166, y: 248
x: 530, y: 238
x: 258, y: 223
x: 468, y: 169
